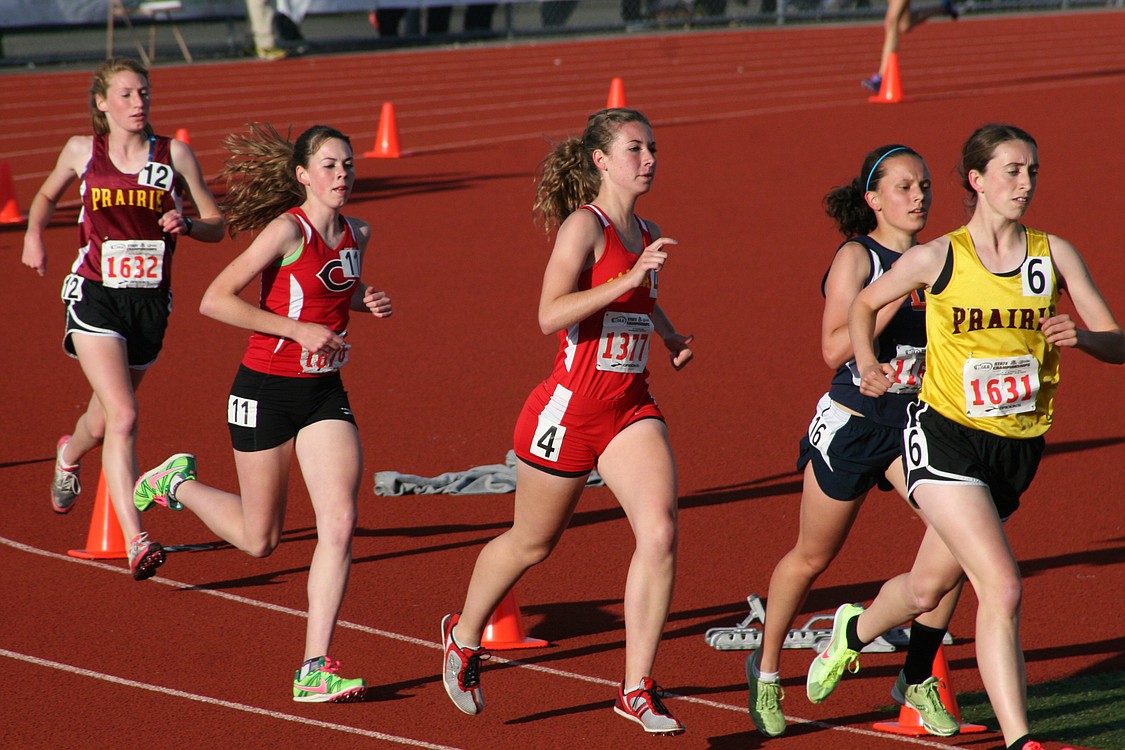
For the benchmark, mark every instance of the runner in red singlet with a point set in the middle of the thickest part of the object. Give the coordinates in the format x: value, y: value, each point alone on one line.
x: 287, y: 398
x: 599, y: 297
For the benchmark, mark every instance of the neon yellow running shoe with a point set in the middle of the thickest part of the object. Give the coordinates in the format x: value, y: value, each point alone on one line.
x: 159, y: 485
x: 925, y: 698
x: 322, y: 684
x: 765, y: 702
x: 828, y: 667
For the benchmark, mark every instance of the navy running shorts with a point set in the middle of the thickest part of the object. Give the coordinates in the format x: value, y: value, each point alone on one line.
x: 849, y: 453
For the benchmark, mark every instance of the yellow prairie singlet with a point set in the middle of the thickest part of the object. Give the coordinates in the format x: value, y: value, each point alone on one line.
x: 988, y: 366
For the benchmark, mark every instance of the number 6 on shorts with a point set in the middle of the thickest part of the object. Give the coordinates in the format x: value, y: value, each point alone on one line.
x: 917, y: 454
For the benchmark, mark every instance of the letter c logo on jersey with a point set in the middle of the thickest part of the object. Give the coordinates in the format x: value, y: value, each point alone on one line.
x: 333, y: 277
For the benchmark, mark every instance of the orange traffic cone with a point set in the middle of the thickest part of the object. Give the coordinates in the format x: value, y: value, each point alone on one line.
x: 910, y: 721
x: 182, y: 136
x: 504, y: 630
x: 616, y: 94
x: 386, y: 139
x: 9, y: 208
x: 105, y: 540
x: 890, y: 90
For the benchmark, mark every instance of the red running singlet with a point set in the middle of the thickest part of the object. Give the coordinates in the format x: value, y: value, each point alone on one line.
x: 314, y: 283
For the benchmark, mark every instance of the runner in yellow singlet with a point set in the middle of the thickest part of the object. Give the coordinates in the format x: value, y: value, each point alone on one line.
x: 972, y: 443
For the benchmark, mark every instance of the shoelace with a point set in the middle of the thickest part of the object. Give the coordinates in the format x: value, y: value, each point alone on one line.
x: 66, y: 478
x: 850, y: 663
x: 470, y: 673
x: 330, y: 665
x: 930, y: 697
x: 140, y: 541
x: 638, y: 701
x: 770, y: 695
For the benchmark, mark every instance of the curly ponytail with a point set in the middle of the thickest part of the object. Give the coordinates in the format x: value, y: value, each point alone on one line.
x: 567, y: 176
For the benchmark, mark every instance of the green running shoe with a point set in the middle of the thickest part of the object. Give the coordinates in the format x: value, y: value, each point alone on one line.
x: 765, y: 703
x: 159, y: 485
x: 323, y: 685
x: 926, y: 700
x: 828, y: 667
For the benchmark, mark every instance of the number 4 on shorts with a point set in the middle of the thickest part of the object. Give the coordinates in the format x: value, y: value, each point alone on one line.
x: 547, y: 441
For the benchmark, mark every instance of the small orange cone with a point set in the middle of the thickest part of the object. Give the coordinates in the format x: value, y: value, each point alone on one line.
x: 504, y: 630
x: 910, y: 721
x: 616, y: 96
x: 182, y: 136
x: 890, y: 90
x: 9, y: 208
x: 105, y: 540
x: 386, y: 139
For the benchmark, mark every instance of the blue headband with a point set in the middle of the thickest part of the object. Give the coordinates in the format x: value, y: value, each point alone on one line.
x: 879, y: 161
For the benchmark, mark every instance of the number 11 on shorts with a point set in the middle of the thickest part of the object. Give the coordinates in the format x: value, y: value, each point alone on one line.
x: 547, y: 441
x: 242, y: 412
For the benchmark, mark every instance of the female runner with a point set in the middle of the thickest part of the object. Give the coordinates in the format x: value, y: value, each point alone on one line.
x: 118, y: 294
x: 599, y: 296
x: 287, y: 398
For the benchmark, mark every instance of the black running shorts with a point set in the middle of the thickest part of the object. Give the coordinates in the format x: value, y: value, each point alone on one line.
x: 139, y: 317
x: 264, y: 411
x: 940, y: 451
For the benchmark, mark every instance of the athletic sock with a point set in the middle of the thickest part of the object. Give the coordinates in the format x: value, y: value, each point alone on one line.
x: 309, y: 666
x: 854, y: 643
x: 453, y: 635
x: 59, y: 459
x: 924, y: 644
x: 763, y: 676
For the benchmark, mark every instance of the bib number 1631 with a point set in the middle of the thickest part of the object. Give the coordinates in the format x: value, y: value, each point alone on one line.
x: 1001, y: 386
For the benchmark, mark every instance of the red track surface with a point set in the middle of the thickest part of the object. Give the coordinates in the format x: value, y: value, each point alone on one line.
x: 753, y: 128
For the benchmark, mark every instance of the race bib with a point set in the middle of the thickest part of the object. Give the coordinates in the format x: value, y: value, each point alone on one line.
x: 72, y: 288
x: 1038, y: 280
x: 349, y: 261
x: 320, y: 364
x: 824, y: 426
x: 624, y: 342
x: 132, y: 264
x: 547, y: 441
x: 1000, y: 386
x: 156, y: 175
x: 242, y: 412
x: 910, y: 365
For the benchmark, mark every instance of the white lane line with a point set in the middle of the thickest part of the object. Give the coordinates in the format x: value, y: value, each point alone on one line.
x: 217, y: 701
x: 404, y: 639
